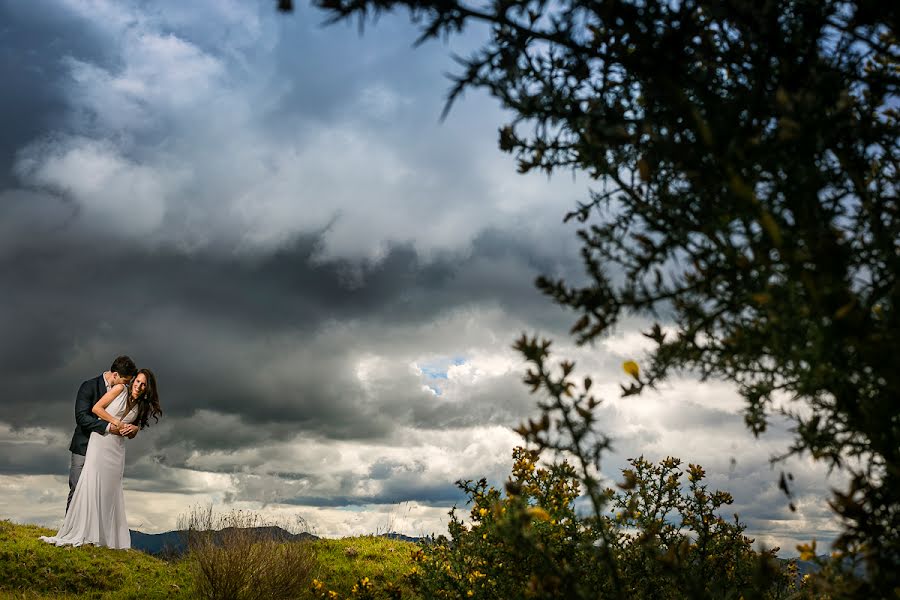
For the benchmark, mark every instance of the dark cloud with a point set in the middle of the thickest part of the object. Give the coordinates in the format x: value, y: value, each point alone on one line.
x: 27, y: 457
x: 213, y: 328
x: 33, y: 40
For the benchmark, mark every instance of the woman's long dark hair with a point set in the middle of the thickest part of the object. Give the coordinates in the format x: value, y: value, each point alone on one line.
x: 148, y: 402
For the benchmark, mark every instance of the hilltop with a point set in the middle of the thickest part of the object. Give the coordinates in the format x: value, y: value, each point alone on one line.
x: 30, y: 565
x: 30, y: 568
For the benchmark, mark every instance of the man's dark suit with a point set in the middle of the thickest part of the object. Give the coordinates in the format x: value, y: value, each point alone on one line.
x: 86, y: 422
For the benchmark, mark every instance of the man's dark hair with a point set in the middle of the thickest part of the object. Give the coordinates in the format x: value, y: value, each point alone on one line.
x: 124, y: 366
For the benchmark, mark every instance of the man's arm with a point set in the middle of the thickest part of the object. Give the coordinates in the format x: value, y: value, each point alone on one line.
x: 84, y: 417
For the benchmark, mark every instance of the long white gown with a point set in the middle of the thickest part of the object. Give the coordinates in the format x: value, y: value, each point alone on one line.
x: 97, y: 512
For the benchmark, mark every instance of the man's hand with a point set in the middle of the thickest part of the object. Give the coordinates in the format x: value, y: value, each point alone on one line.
x: 114, y: 430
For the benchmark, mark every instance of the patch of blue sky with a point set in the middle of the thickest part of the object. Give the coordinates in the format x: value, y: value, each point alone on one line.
x: 437, y: 369
x: 433, y: 373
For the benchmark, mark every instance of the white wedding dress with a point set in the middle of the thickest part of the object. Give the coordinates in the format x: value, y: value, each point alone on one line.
x: 97, y: 512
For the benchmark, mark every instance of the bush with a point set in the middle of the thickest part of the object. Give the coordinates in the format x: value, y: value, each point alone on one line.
x: 665, y: 540
x: 240, y: 556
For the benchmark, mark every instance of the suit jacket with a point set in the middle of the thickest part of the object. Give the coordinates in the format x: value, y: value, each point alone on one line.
x: 86, y: 422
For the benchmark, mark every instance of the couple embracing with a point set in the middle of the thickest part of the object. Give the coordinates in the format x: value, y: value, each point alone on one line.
x: 108, y: 410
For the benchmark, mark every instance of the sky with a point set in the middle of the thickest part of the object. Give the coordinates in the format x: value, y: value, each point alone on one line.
x: 325, y: 277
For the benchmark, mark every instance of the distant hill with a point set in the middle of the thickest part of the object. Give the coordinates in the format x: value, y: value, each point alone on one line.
x: 402, y: 537
x: 174, y: 543
x: 806, y: 567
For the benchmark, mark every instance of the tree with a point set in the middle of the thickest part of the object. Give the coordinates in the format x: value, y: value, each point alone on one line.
x: 746, y: 159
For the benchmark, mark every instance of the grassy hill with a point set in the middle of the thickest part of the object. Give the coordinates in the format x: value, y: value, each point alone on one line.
x: 383, y: 560
x: 31, y: 569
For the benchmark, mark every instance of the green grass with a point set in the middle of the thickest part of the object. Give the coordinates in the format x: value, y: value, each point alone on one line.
x: 343, y: 562
x: 34, y: 570
x: 30, y: 568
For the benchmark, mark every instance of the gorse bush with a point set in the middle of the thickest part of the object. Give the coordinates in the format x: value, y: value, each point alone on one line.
x: 240, y: 556
x: 660, y: 534
x: 714, y: 559
x: 674, y: 542
x: 515, y: 543
x: 666, y: 540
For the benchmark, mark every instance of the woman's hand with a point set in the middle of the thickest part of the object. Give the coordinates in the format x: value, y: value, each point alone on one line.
x: 127, y: 429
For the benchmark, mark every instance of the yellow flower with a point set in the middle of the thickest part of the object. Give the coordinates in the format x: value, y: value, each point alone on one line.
x: 807, y: 551
x: 696, y: 472
x: 538, y: 513
x: 631, y: 368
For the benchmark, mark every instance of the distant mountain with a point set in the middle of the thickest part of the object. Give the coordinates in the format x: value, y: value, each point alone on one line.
x: 174, y: 543
x: 170, y: 543
x: 805, y: 567
x: 403, y: 538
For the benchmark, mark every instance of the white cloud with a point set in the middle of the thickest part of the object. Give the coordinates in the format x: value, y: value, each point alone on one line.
x: 178, y: 123
x: 118, y: 196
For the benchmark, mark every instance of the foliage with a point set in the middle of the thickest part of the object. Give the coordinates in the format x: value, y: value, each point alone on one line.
x: 746, y: 155
x: 30, y: 568
x: 664, y: 541
x: 239, y: 556
x: 837, y: 576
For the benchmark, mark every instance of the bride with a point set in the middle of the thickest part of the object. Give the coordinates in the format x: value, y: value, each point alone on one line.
x: 97, y: 513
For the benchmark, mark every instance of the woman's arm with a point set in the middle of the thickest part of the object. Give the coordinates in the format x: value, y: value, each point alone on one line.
x: 100, y: 408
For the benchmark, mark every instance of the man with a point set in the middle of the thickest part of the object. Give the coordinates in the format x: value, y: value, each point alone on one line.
x: 122, y: 371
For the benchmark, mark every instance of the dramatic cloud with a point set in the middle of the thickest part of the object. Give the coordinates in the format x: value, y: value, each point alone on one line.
x: 326, y: 279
